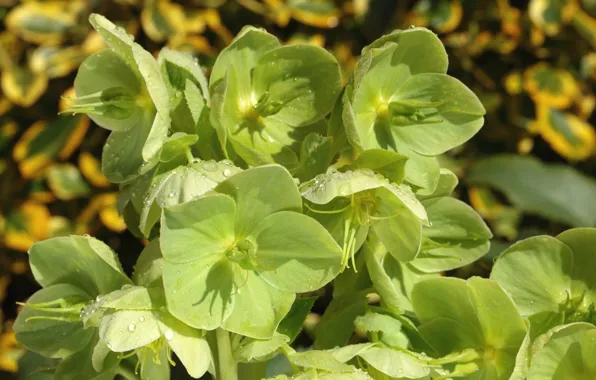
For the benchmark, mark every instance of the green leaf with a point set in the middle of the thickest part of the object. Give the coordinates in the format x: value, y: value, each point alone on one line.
x: 448, y: 181
x: 300, y: 83
x: 315, y: 156
x: 260, y: 192
x: 50, y: 337
x: 36, y: 367
x: 66, y: 182
x: 546, y: 265
x: 337, y: 324
x: 462, y: 235
x: 181, y: 185
x: 540, y: 189
x: 175, y: 146
x: 568, y: 354
x: 80, y: 365
x: 388, y: 327
x: 292, y: 323
x: 80, y: 261
x: 125, y: 330
x: 251, y: 349
x: 200, y: 229
x: 395, y: 363
x: 320, y: 360
x: 389, y: 164
x: 295, y: 253
x: 149, y: 265
x: 258, y: 307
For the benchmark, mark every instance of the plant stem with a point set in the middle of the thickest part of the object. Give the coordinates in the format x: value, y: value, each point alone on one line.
x: 189, y: 155
x: 228, y: 368
x: 126, y: 372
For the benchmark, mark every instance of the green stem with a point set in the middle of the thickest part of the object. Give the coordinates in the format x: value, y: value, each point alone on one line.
x: 228, y: 368
x: 189, y: 155
x: 127, y: 373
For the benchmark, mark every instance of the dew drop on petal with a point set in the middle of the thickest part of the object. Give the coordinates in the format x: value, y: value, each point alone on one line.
x: 169, y: 335
x: 131, y: 327
x: 141, y: 319
x: 227, y: 172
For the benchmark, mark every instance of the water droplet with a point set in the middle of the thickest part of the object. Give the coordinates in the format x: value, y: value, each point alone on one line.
x: 99, y: 299
x: 169, y: 335
x: 412, y: 26
x: 345, y: 189
x: 227, y: 172
x: 172, y: 194
x: 131, y: 327
x: 210, y: 166
x: 141, y: 319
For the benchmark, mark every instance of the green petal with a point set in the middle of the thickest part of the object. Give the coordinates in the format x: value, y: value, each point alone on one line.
x: 126, y: 330
x: 258, y: 307
x: 149, y: 264
x: 48, y: 337
x: 389, y: 164
x: 189, y: 345
x: 260, y: 192
x: 568, y: 354
x: 289, y: 261
x: 202, y: 228
x: 325, y: 187
x: 395, y: 363
x: 181, y: 185
x: 582, y: 242
x: 80, y: 261
x: 103, y: 71
x: 546, y: 264
x: 114, y: 36
x: 199, y: 293
x: 461, y: 235
x: 459, y: 116
x: 303, y: 79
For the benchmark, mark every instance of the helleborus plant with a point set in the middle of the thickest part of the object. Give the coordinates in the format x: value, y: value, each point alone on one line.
x: 257, y: 186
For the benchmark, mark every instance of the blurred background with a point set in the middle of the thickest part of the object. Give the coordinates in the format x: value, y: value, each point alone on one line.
x: 531, y: 169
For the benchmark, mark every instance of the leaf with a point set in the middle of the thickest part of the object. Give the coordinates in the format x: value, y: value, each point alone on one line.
x: 302, y: 80
x: 149, y: 265
x: 315, y: 156
x: 251, y: 349
x: 546, y: 265
x: 389, y: 164
x: 258, y: 307
x: 567, y: 354
x: 395, y: 363
x: 390, y: 328
x: 66, y: 182
x: 292, y: 323
x: 288, y: 260
x: 461, y: 231
x: 40, y: 335
x: 540, y: 189
x: 126, y: 330
x: 337, y: 324
x: 260, y: 192
x: 186, y: 237
x: 80, y: 365
x: 175, y: 145
x: 321, y: 360
x: 447, y: 183
x: 181, y: 185
x: 80, y: 261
